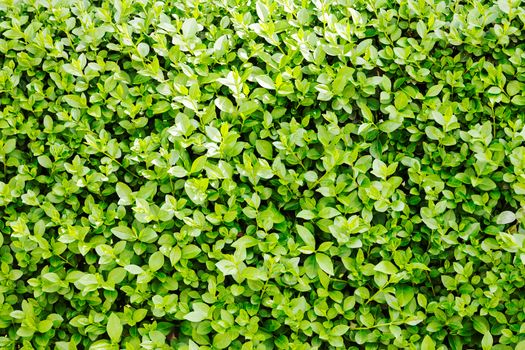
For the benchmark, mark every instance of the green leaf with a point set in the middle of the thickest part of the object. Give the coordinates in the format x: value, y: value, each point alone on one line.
x: 339, y: 330
x: 481, y: 324
x: 45, y: 162
x: 25, y: 332
x: 379, y: 169
x: 282, y: 342
x: 114, y: 327
x: 227, y: 267
x: 124, y: 233
x: 428, y: 343
x: 434, y: 133
x: 199, y: 163
x: 148, y: 235
x: 254, y: 274
x: 156, y: 261
x: 404, y: 295
x: 265, y: 81
x: 134, y: 269
x: 224, y: 104
x: 325, y: 263
x: 264, y: 148
x: 9, y: 146
x: 190, y: 27
x: 125, y: 194
x: 434, y: 90
x: 117, y: 275
x: 449, y: 282
x: 246, y: 108
x: 44, y: 326
x: 487, y: 341
x: 521, y: 345
x: 328, y: 212
x: 222, y: 340
x: 73, y: 70
x: 196, y: 190
x: 505, y: 218
x: 389, y: 126
x: 306, y: 236
x: 366, y: 112
x: 177, y: 171
x: 262, y: 11
x: 190, y: 251
x: 143, y: 49
x: 504, y: 5
x: 148, y: 190
x: 199, y: 313
x: 518, y: 100
x: 161, y: 107
x: 386, y: 267
x: 75, y: 101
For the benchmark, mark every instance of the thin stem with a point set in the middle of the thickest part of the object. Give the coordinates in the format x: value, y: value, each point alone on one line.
x: 321, y: 178
x: 65, y: 260
x: 394, y: 323
x: 375, y: 294
x: 120, y: 164
x: 431, y: 285
x: 299, y: 161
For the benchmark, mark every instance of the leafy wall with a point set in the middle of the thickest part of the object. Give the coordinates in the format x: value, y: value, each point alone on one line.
x: 326, y: 174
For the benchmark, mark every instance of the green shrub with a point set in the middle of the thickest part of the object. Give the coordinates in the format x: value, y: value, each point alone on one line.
x: 263, y: 174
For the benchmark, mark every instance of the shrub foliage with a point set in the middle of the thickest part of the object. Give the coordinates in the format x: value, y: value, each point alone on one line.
x: 325, y: 174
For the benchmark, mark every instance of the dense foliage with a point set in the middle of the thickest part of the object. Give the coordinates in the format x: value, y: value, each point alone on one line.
x: 325, y: 174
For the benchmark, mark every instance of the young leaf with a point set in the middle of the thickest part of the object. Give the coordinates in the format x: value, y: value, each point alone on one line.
x: 306, y: 236
x: 505, y: 218
x: 487, y: 341
x: 386, y: 267
x: 325, y: 263
x: 156, y: 261
x: 428, y: 343
x: 199, y: 313
x: 114, y: 327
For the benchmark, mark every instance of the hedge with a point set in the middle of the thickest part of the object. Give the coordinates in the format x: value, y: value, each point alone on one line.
x: 212, y: 174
